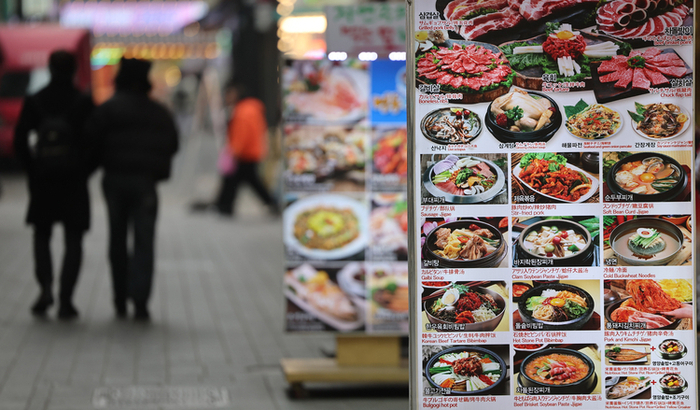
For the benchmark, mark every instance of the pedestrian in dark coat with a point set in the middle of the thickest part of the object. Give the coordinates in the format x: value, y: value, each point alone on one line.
x: 135, y: 140
x: 58, y: 193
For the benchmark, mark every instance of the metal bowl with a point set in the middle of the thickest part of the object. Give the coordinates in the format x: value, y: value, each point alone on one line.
x: 486, y: 326
x: 572, y: 324
x: 656, y: 223
x: 447, y: 111
x: 491, y: 260
x: 485, y: 196
x: 436, y: 357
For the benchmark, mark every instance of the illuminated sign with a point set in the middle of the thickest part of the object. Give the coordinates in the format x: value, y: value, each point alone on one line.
x: 132, y: 17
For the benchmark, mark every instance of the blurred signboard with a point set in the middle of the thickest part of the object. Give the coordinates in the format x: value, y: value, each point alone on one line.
x: 374, y: 27
x: 132, y: 17
x: 345, y: 223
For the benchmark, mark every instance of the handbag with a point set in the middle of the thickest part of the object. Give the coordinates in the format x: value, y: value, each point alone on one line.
x: 226, y: 163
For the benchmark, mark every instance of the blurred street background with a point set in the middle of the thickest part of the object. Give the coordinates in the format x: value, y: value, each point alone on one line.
x: 217, y: 331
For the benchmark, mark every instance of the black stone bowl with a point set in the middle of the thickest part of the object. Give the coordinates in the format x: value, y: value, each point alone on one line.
x: 583, y: 386
x: 659, y: 197
x: 488, y: 261
x: 486, y: 326
x: 505, y: 135
x: 675, y: 355
x: 576, y: 259
x: 572, y: 324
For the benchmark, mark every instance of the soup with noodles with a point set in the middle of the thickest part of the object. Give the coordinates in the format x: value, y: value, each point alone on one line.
x: 556, y: 369
x: 633, y: 245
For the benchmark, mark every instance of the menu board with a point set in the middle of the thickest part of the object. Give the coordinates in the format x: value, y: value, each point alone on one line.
x: 551, y: 202
x: 346, y: 217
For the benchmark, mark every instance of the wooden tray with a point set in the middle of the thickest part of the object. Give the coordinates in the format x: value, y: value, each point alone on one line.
x: 606, y: 92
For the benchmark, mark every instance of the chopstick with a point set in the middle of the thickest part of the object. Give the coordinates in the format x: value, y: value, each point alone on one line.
x: 442, y: 291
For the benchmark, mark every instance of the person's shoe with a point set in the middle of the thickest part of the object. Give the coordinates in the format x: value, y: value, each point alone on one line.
x: 43, y: 302
x: 66, y: 311
x: 141, y: 313
x: 202, y: 207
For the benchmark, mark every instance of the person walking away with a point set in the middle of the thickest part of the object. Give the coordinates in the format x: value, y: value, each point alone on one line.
x: 50, y: 143
x: 247, y: 139
x: 135, y: 140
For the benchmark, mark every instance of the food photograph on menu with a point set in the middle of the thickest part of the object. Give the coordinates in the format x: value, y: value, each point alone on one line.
x: 323, y: 92
x: 548, y: 177
x: 326, y: 227
x: 388, y: 227
x: 387, y: 285
x: 671, y: 349
x: 389, y: 158
x: 321, y: 298
x: 464, y: 242
x: 649, y: 240
x: 465, y: 370
x: 628, y: 387
x: 476, y: 306
x: 325, y: 158
x: 464, y: 179
x: 556, y: 241
x: 649, y: 304
x: 558, y: 305
x: 557, y: 369
x: 647, y: 176
x: 523, y: 116
x: 453, y: 125
x: 577, y: 117
x: 628, y: 354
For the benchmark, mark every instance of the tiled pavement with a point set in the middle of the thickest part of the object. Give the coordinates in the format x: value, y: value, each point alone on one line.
x: 217, y: 316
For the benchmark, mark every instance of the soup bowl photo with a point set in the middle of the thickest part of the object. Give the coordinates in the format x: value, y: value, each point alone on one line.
x: 506, y: 135
x: 431, y: 248
x: 534, y: 372
x: 663, y: 178
x: 670, y: 235
x: 582, y: 257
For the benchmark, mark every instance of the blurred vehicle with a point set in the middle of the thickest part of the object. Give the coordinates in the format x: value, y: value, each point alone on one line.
x: 24, y: 56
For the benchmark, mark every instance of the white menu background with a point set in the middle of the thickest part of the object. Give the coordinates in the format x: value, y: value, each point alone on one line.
x: 512, y: 342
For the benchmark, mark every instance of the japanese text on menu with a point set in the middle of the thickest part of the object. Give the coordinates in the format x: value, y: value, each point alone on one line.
x: 554, y: 166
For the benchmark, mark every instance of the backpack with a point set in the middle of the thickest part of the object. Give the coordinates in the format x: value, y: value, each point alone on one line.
x: 56, y: 151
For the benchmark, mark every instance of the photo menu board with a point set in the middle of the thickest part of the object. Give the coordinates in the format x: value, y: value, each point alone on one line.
x: 346, y: 216
x: 551, y: 196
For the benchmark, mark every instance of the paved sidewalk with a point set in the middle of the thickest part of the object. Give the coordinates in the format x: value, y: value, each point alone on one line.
x: 217, y: 320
